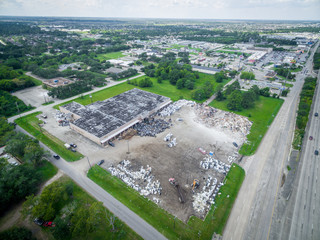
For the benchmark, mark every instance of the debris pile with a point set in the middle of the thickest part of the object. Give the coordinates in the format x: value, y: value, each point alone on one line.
x: 172, y: 142
x: 142, y: 180
x: 212, y: 117
x: 172, y: 108
x: 233, y: 157
x: 61, y: 118
x: 210, y: 162
x: 203, y: 200
x: 151, y: 127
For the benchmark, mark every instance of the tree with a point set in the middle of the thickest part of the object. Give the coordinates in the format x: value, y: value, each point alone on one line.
x: 234, y: 100
x: 256, y: 90
x: 17, y: 233
x: 247, y: 75
x: 62, y: 229
x: 5, y: 129
x: 248, y: 99
x: 232, y: 87
x: 284, y: 93
x: 33, y: 153
x: 189, y: 84
x: 198, y: 94
x: 180, y: 83
x: 265, y: 92
x: 207, y: 89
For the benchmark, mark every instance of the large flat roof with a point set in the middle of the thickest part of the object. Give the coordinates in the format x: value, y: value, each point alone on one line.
x: 102, y: 117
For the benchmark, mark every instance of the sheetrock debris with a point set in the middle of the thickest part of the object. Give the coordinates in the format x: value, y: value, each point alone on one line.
x: 168, y: 137
x: 142, y: 180
x: 62, y: 118
x: 172, y: 143
x: 210, y: 162
x: 203, y: 200
x: 213, y: 117
x: 233, y: 157
x: 151, y: 127
x: 172, y: 108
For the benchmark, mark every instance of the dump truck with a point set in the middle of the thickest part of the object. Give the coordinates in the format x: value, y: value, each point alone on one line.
x: 174, y: 183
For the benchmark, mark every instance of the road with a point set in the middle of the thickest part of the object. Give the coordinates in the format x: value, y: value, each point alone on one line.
x: 145, y: 230
x: 306, y: 215
x: 253, y: 209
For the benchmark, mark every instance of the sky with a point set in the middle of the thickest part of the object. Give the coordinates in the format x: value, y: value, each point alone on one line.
x: 194, y: 9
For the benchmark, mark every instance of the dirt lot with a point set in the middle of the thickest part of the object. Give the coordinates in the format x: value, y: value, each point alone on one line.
x: 181, y: 161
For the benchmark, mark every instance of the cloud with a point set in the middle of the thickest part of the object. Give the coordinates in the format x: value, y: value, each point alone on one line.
x: 221, y: 9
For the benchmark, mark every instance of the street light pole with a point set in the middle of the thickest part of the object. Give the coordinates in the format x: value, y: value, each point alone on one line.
x: 128, y: 147
x: 91, y: 98
x: 89, y: 163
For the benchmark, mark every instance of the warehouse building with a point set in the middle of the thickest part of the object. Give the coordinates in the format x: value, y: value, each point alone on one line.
x: 105, y: 120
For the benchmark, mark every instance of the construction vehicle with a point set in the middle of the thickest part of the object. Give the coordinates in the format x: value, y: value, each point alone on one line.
x: 195, y: 184
x: 173, y: 182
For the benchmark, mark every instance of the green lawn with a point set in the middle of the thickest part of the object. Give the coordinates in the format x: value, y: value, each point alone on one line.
x: 108, y: 56
x: 47, y: 170
x: 262, y: 115
x: 47, y: 103
x: 162, y: 220
x: 164, y: 88
x: 30, y: 124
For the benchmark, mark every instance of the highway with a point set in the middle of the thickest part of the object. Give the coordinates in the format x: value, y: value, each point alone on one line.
x: 252, y: 213
x: 305, y: 221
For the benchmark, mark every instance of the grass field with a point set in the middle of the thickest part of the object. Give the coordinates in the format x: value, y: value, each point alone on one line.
x: 262, y: 115
x: 30, y: 124
x: 108, y: 56
x: 47, y: 170
x: 164, y: 88
x: 165, y: 222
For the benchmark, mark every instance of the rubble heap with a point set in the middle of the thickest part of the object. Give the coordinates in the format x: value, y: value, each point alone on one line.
x: 233, y: 157
x: 172, y: 142
x: 203, y: 200
x: 142, y: 180
x: 151, y: 127
x: 213, y: 117
x: 172, y: 108
x: 61, y: 118
x: 210, y: 162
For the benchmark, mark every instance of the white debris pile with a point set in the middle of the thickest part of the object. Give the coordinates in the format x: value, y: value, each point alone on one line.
x: 142, y: 180
x: 168, y: 137
x: 203, y: 200
x: 233, y: 157
x: 213, y: 117
x: 61, y: 118
x: 210, y: 162
x: 172, y: 108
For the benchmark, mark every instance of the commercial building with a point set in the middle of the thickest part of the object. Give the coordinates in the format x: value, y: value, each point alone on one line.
x: 105, y: 120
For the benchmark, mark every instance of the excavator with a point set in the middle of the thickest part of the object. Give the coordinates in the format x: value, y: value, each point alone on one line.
x: 174, y: 183
x: 195, y: 184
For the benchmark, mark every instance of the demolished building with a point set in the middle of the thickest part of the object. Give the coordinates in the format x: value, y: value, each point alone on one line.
x: 102, y: 121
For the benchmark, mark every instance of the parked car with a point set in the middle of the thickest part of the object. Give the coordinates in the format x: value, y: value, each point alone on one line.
x: 56, y: 156
x: 316, y: 114
x: 111, y: 144
x: 235, y: 144
x: 310, y: 138
x: 48, y: 224
x: 73, y: 145
x: 38, y: 221
x: 316, y: 152
x: 100, y: 162
x: 73, y: 150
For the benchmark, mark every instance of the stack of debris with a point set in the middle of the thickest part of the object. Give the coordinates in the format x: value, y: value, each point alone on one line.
x: 210, y: 162
x: 61, y: 118
x: 142, y: 180
x: 172, y: 142
x: 233, y: 157
x: 151, y: 127
x: 168, y: 111
x: 203, y: 200
x: 212, y: 117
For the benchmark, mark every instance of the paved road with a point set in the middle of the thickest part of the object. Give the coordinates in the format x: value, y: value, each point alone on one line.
x: 145, y: 230
x: 305, y: 221
x: 253, y: 210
